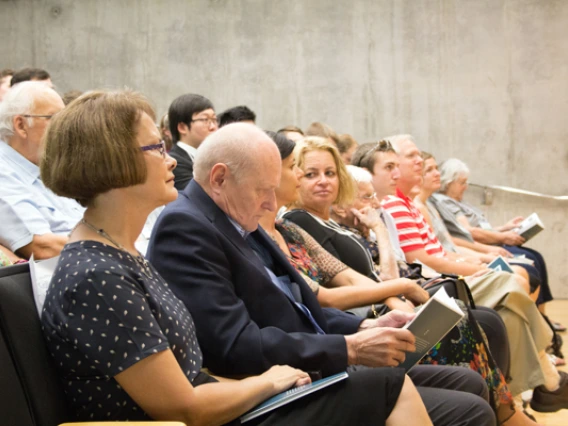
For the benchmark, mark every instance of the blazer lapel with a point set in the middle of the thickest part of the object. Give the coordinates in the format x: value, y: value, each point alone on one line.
x: 282, y: 260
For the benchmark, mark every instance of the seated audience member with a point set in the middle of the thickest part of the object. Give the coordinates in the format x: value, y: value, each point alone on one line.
x: 32, y: 74
x: 192, y: 119
x: 334, y: 283
x: 320, y: 189
x: 165, y: 132
x: 253, y: 310
x: 324, y: 131
x: 346, y: 145
x: 469, y: 252
x: 35, y: 221
x: 454, y: 175
x: 238, y: 114
x: 320, y: 268
x: 5, y: 78
x: 293, y: 133
x: 70, y: 96
x: 158, y: 373
x: 525, y: 326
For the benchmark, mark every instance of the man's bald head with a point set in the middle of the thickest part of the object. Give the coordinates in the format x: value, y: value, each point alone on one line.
x: 239, y: 168
x: 241, y: 146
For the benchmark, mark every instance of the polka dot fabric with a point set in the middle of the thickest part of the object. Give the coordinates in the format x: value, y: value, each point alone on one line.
x: 103, y: 313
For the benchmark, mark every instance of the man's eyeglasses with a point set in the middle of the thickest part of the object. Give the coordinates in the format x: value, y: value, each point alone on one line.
x: 368, y: 198
x: 208, y: 121
x: 46, y: 116
x: 161, y: 147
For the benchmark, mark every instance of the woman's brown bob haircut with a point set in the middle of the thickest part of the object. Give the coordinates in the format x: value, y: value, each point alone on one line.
x: 91, y: 148
x: 347, y: 188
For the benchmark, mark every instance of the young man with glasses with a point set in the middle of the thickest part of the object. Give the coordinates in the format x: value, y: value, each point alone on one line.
x: 34, y: 220
x: 192, y: 118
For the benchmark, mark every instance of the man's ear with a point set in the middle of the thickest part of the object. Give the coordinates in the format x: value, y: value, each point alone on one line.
x: 218, y: 177
x: 20, y: 126
x: 183, y: 129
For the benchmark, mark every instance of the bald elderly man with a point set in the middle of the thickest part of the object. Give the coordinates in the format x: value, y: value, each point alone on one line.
x: 253, y: 310
x: 34, y: 220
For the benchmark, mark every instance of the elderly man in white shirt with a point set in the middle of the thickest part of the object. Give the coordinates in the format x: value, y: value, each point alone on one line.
x: 34, y: 220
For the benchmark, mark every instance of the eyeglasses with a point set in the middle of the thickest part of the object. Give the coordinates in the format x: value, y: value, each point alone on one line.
x: 208, y: 121
x: 368, y: 197
x: 161, y: 147
x: 46, y: 116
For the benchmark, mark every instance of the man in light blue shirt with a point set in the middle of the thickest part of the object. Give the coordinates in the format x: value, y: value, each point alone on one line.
x: 33, y: 220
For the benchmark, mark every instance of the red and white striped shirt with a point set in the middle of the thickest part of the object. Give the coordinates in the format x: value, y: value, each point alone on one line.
x: 414, y: 233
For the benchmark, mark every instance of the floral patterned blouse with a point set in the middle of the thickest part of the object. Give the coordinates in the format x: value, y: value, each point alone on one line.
x: 310, y: 259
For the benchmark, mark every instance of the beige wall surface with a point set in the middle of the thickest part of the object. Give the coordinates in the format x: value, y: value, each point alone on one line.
x: 483, y: 80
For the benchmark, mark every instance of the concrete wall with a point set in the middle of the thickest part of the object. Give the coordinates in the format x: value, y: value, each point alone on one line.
x: 484, y: 80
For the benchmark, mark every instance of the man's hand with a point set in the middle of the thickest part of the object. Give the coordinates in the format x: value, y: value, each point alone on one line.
x: 512, y: 238
x: 379, y: 347
x: 394, y: 319
x: 512, y: 224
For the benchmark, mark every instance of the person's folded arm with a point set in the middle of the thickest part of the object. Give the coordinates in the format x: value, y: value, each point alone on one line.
x: 43, y: 246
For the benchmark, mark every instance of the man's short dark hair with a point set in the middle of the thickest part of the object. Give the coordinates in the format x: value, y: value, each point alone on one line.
x: 27, y: 74
x: 235, y: 115
x: 364, y: 156
x: 182, y: 109
x: 6, y: 72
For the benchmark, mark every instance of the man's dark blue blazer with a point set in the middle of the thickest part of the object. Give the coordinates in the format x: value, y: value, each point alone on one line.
x: 245, y: 324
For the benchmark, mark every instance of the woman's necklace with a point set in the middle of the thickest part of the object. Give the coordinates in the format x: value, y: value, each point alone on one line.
x: 141, y: 260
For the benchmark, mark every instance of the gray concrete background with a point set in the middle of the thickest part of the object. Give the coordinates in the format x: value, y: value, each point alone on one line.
x: 483, y: 80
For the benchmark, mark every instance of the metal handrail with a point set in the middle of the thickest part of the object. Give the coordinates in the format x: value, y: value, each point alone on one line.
x: 520, y: 191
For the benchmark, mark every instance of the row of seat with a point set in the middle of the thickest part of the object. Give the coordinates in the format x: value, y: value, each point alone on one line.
x: 30, y: 391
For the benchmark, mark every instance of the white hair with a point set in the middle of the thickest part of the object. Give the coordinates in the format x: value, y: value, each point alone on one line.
x: 396, y: 140
x: 235, y: 145
x: 450, y: 170
x: 359, y: 174
x: 19, y: 100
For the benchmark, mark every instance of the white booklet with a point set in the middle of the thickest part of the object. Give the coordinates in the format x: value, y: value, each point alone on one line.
x: 529, y: 227
x: 432, y: 322
x: 41, y: 273
x: 292, y: 395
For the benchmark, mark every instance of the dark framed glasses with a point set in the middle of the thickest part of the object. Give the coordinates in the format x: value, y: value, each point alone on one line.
x: 161, y: 147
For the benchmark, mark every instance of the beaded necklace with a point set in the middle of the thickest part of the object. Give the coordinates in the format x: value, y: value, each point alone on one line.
x: 140, y: 259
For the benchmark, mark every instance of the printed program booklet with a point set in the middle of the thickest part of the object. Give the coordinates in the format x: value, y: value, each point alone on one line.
x: 432, y: 322
x: 529, y: 227
x: 292, y: 395
x: 500, y: 264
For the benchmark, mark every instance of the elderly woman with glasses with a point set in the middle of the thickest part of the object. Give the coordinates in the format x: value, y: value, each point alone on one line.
x: 467, y: 222
x: 125, y: 345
